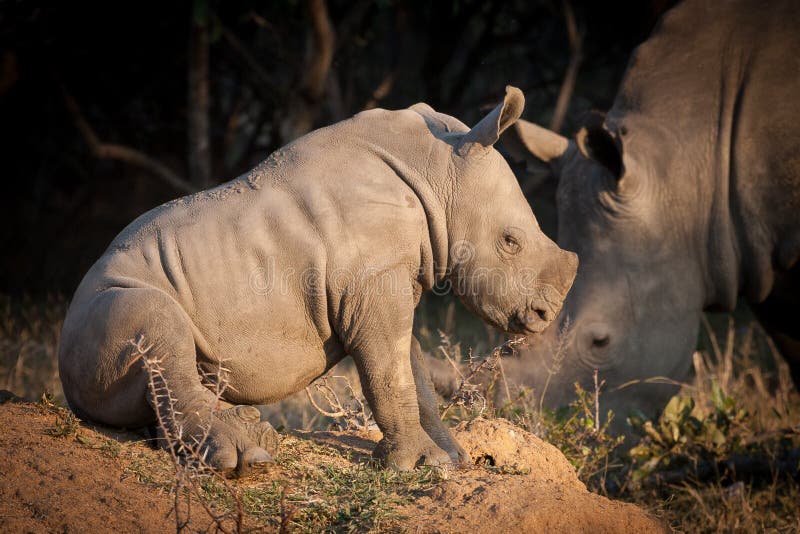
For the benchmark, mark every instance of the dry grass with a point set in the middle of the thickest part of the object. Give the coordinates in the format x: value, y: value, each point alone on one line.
x: 29, y: 331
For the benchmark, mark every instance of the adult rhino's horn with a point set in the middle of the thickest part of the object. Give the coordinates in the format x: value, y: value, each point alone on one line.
x: 488, y: 130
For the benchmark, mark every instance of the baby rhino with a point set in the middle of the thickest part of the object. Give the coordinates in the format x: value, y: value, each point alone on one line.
x: 320, y: 252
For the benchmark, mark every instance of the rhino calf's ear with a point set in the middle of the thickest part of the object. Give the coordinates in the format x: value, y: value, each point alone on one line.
x: 487, y: 132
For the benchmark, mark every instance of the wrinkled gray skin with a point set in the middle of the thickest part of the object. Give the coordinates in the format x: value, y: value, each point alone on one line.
x: 320, y: 252
x: 685, y: 195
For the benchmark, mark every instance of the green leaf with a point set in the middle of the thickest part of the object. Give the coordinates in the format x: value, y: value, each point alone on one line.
x: 653, y: 433
x: 672, y: 409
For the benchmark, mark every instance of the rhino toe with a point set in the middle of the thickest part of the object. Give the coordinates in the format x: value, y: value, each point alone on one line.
x: 250, y: 420
x: 253, y: 461
x: 408, y: 456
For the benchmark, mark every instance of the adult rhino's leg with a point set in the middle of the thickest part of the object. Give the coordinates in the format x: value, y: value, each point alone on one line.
x: 105, y: 380
x: 376, y: 331
x: 429, y: 407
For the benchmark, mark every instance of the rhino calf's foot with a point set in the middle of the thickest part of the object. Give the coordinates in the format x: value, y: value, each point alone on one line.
x: 410, y: 454
x: 233, y: 441
x: 249, y: 419
x: 241, y: 443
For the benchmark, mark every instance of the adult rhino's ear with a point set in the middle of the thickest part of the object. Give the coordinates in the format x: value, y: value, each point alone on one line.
x: 534, y: 147
x: 600, y: 142
x: 487, y: 132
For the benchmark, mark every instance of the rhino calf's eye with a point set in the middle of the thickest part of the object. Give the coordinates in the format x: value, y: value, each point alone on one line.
x: 510, y: 244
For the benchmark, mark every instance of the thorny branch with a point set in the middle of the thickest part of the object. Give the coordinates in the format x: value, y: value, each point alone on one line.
x: 467, y: 393
x: 188, y: 457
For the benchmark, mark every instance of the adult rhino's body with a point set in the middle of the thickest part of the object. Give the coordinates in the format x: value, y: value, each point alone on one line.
x: 320, y: 252
x: 683, y: 196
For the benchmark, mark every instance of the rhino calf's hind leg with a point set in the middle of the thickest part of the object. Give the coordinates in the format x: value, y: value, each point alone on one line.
x: 102, y: 375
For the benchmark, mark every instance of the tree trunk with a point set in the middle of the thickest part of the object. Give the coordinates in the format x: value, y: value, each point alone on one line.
x: 304, y: 105
x: 198, y: 98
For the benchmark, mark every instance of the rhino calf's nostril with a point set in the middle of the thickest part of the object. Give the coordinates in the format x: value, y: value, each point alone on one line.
x: 600, y: 341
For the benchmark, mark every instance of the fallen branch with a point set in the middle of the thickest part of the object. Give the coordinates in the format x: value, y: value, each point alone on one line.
x: 122, y: 153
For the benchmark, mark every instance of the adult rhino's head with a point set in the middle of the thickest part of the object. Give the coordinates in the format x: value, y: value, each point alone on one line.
x: 501, y: 265
x: 634, y: 310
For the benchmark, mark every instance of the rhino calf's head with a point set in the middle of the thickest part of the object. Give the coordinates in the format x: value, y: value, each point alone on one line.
x: 501, y: 265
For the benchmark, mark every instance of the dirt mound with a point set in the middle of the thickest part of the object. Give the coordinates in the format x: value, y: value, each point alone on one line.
x: 500, y: 444
x: 63, y: 475
x: 542, y: 493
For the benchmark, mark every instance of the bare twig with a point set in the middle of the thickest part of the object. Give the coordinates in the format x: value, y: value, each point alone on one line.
x: 596, y: 404
x: 353, y: 414
x: 332, y: 415
x: 505, y: 381
x: 564, y: 340
x: 287, y: 512
x: 467, y: 393
x: 447, y: 347
x: 122, y: 153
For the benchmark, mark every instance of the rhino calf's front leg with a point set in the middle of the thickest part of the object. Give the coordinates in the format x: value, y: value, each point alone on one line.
x: 429, y: 408
x: 381, y: 348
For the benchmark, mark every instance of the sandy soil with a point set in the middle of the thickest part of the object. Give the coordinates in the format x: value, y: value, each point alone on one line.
x: 56, y: 479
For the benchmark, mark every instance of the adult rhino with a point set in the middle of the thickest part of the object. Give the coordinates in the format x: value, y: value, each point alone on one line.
x: 321, y: 252
x: 683, y: 196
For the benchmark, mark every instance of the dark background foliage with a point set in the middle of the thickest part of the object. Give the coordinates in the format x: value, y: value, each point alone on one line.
x: 190, y: 94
